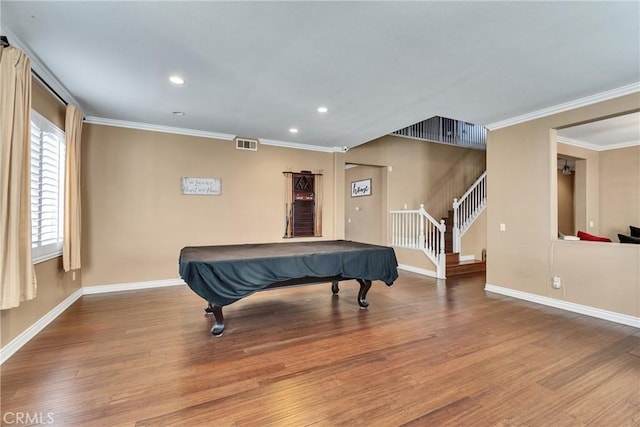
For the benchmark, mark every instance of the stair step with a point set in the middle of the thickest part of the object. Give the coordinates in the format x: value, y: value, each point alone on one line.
x: 452, y: 258
x: 465, y: 267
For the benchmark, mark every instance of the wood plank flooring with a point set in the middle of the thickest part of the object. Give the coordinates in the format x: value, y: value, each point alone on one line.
x: 425, y: 353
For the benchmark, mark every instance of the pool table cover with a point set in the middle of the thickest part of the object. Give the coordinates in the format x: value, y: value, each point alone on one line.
x: 225, y: 274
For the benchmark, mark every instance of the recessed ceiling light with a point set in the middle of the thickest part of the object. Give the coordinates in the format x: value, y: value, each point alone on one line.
x: 177, y: 80
x: 179, y: 113
x: 293, y: 130
x: 322, y: 109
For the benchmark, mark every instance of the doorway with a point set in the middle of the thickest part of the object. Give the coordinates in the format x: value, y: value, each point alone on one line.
x: 365, y: 203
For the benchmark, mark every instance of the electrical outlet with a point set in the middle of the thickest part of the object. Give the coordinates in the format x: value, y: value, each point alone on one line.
x: 557, y: 282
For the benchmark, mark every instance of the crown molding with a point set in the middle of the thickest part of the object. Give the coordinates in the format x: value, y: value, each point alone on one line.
x: 594, y: 147
x: 157, y: 128
x: 38, y: 66
x: 582, y: 102
x: 204, y: 134
x: 299, y: 146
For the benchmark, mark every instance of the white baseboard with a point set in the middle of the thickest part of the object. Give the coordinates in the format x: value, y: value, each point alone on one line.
x: 417, y: 270
x: 8, y: 350
x: 467, y: 258
x: 132, y: 286
x: 565, y: 305
x: 15, y: 344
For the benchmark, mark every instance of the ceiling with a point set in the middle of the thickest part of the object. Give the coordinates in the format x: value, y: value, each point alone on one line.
x: 615, y: 132
x: 257, y: 69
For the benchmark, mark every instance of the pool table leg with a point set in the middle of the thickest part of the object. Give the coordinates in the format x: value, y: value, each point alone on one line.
x: 218, y: 327
x: 334, y: 287
x: 365, y: 285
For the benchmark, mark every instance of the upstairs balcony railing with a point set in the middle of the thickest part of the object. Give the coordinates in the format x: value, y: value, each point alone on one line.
x: 447, y: 131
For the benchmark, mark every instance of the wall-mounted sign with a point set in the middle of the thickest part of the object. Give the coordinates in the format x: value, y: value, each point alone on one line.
x: 202, y: 186
x: 361, y: 188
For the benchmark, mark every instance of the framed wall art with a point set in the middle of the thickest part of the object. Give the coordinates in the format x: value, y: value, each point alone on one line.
x: 361, y: 188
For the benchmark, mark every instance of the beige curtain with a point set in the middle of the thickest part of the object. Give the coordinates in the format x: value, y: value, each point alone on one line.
x: 17, y: 278
x: 72, y: 224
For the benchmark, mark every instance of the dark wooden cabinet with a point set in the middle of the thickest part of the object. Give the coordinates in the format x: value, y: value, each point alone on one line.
x: 303, y: 201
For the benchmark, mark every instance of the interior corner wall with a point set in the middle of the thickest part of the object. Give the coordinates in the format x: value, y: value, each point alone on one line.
x: 54, y: 285
x: 136, y: 221
x: 521, y: 161
x: 586, y: 188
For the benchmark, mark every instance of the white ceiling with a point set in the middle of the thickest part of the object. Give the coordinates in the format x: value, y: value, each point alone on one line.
x: 615, y: 132
x: 256, y: 69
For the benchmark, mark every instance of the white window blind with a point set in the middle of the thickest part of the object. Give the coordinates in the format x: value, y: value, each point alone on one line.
x: 47, y: 188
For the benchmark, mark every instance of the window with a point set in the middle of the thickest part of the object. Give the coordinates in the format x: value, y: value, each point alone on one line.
x: 47, y: 188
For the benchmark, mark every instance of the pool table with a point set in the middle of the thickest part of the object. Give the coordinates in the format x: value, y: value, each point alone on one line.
x: 224, y: 274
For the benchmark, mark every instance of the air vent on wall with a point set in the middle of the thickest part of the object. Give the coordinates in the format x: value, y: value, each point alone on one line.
x: 246, y: 144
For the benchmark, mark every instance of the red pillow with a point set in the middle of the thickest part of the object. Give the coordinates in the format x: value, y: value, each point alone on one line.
x: 590, y: 237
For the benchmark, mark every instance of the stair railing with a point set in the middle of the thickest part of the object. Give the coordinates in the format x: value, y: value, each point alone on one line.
x: 416, y: 229
x: 447, y: 131
x: 467, y: 209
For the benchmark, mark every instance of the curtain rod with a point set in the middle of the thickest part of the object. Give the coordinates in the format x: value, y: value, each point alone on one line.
x: 52, y: 90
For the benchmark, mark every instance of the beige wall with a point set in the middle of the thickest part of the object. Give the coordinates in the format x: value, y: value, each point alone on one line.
x: 475, y: 239
x: 619, y: 191
x: 45, y: 103
x: 364, y: 214
x: 54, y: 286
x: 522, y: 195
x: 586, y: 187
x: 601, y: 275
x: 135, y: 221
x: 565, y: 203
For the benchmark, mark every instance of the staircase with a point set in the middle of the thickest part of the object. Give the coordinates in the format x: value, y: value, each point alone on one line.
x: 442, y: 241
x: 454, y: 266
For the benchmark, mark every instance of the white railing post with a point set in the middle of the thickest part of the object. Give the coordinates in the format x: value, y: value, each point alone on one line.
x: 422, y: 243
x: 441, y: 272
x: 456, y: 226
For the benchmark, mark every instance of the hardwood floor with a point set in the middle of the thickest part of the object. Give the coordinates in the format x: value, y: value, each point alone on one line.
x: 425, y: 353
